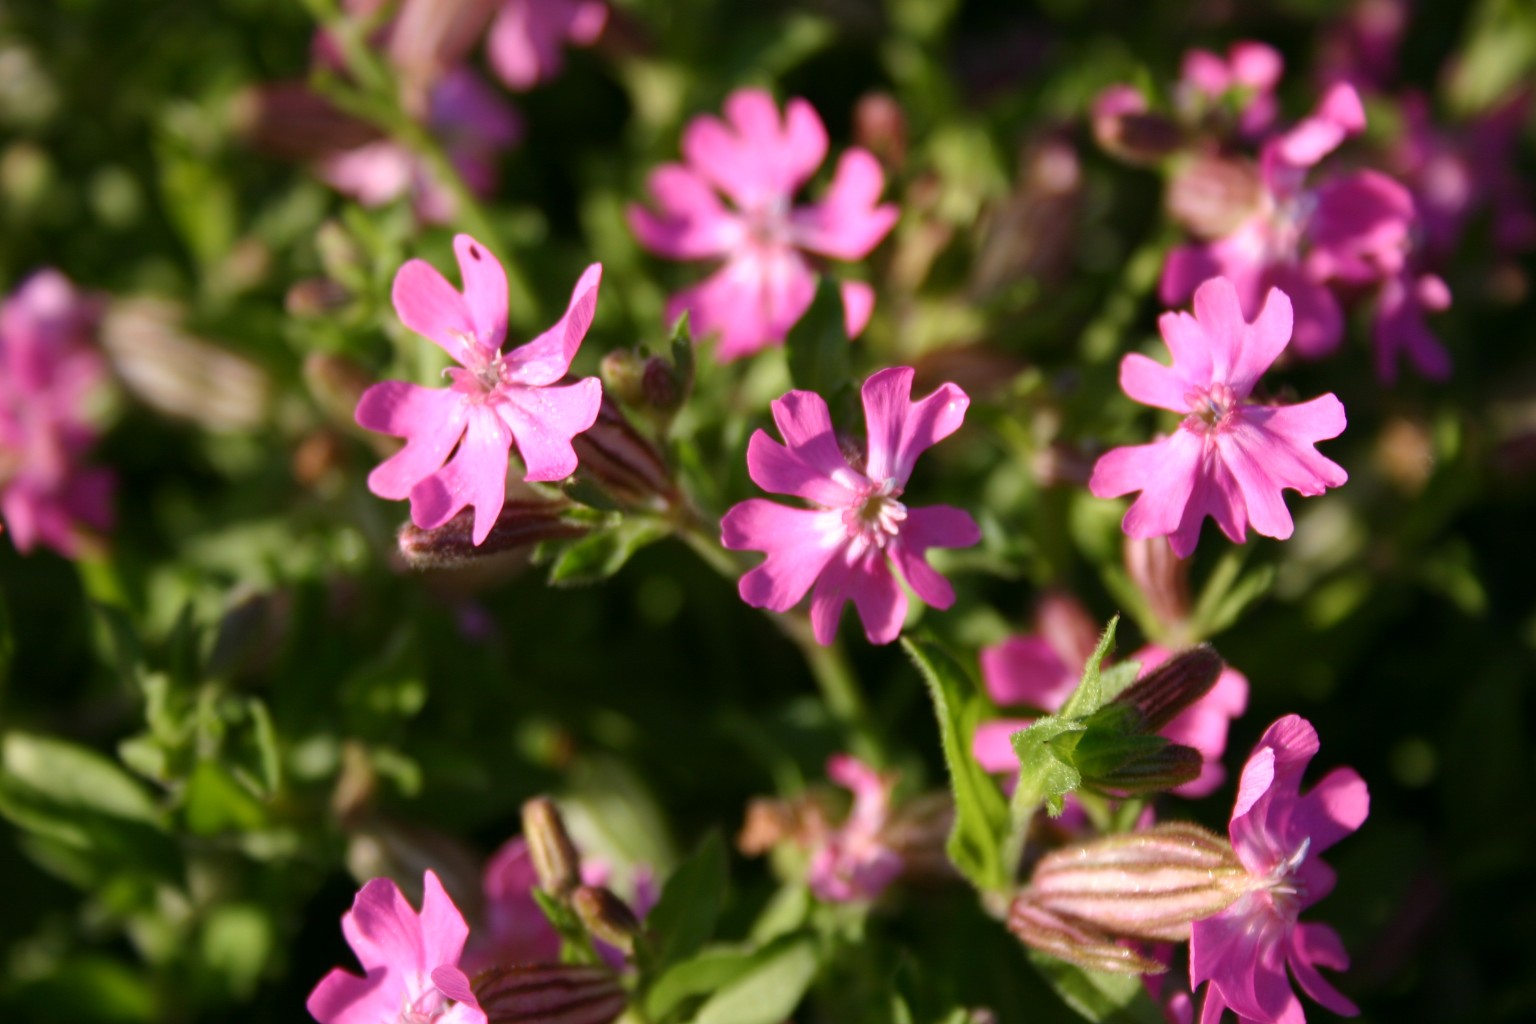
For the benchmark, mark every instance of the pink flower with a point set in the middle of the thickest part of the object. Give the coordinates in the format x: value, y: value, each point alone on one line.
x: 48, y: 369
x: 459, y: 437
x: 528, y: 37
x: 1278, y: 833
x: 855, y: 864
x: 759, y: 162
x: 1230, y: 458
x: 857, y: 527
x: 1040, y: 673
x: 1350, y: 231
x: 410, y: 960
x: 475, y: 124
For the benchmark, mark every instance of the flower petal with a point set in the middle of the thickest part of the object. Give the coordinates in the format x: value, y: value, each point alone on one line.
x: 1151, y: 383
x: 545, y: 419
x: 431, y: 419
x: 691, y: 222
x: 485, y: 291
x: 992, y: 744
x: 858, y: 304
x: 344, y: 998
x: 899, y: 429
x: 936, y: 526
x: 429, y: 305
x: 443, y: 930
x: 848, y: 221
x: 867, y: 581
x: 475, y: 475
x: 752, y: 301
x: 1312, y: 945
x: 1165, y: 472
x: 1026, y: 670
x: 547, y: 358
x: 799, y: 544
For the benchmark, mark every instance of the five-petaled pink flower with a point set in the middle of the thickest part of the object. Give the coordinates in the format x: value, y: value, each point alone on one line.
x: 1278, y: 833
x: 1230, y: 458
x: 759, y: 161
x: 411, y: 962
x: 1351, y: 231
x: 855, y: 863
x: 857, y: 526
x: 459, y: 437
x: 48, y: 370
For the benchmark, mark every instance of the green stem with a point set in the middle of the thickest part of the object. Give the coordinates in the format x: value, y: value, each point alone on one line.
x: 829, y: 666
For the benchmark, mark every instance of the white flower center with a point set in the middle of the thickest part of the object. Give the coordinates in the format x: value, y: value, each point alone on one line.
x: 876, y: 516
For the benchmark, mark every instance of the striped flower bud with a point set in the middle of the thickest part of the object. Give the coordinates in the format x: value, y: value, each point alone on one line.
x: 549, y: 994
x: 521, y: 524
x: 1149, y: 885
x: 555, y: 859
x: 1162, y: 694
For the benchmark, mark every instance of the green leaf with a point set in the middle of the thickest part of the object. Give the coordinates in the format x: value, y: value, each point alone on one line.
x: 1089, y: 695
x: 1046, y: 771
x: 769, y: 992
x: 216, y: 803
x: 818, y: 345
x: 1115, y: 998
x: 601, y: 554
x: 684, y: 917
x: 708, y: 971
x: 981, y: 813
x: 1226, y: 594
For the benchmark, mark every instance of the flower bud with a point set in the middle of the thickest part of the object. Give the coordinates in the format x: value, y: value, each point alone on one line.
x: 1162, y: 577
x: 620, y: 459
x: 1150, y: 885
x: 622, y: 370
x: 555, y: 859
x: 606, y: 917
x: 291, y: 121
x: 1114, y: 757
x: 1212, y: 196
x: 549, y: 994
x: 521, y: 524
x: 1126, y: 129
x: 315, y: 297
x: 880, y: 126
x: 1160, y: 695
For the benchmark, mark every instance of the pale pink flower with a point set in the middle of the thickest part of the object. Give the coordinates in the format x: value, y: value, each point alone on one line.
x: 1278, y: 833
x: 528, y: 38
x: 759, y: 161
x: 845, y: 544
x: 1349, y: 231
x: 1230, y: 458
x: 458, y: 438
x: 49, y: 367
x: 410, y: 960
x: 854, y: 863
x: 475, y: 125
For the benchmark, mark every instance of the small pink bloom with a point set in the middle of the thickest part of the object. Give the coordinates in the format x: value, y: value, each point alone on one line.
x: 1251, y: 71
x: 1229, y: 459
x: 1401, y: 329
x: 857, y: 527
x: 758, y: 161
x: 855, y: 864
x: 459, y: 437
x: 1278, y: 832
x: 49, y: 367
x: 1349, y: 231
x: 410, y: 960
x: 528, y: 38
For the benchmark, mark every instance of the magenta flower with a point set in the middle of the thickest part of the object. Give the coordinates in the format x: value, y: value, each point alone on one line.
x: 458, y: 438
x: 528, y: 38
x: 1350, y: 231
x: 1278, y: 833
x: 1230, y: 458
x: 855, y: 863
x: 410, y: 960
x: 759, y: 162
x: 49, y: 367
x: 857, y: 528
